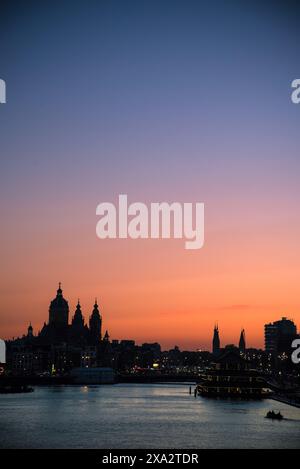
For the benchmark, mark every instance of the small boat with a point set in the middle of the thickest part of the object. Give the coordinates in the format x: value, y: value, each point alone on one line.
x: 274, y: 415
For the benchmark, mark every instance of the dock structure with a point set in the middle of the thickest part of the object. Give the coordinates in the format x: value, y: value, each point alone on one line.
x: 294, y: 402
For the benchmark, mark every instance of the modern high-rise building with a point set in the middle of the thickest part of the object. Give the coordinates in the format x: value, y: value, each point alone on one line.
x: 271, y: 338
x: 279, y: 335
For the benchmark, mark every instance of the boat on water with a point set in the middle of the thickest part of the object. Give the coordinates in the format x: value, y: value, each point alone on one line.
x: 274, y: 415
x: 231, y: 377
x: 15, y: 389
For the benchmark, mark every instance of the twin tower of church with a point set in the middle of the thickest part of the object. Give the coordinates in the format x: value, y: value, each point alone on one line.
x: 59, y: 320
x: 216, y: 345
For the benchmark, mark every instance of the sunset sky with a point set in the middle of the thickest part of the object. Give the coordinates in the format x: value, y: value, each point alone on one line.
x: 164, y: 101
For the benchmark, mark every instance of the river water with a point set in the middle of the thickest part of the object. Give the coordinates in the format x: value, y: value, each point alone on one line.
x: 141, y: 416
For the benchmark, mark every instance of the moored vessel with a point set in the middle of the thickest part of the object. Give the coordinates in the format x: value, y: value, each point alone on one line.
x: 230, y: 376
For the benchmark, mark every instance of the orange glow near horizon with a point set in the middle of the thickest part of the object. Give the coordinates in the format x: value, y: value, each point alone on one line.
x: 155, y: 290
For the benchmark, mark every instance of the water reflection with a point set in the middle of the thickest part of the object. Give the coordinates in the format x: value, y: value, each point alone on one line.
x: 124, y: 416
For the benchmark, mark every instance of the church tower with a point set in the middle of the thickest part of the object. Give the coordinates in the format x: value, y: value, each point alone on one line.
x: 216, y: 341
x: 59, y: 310
x: 30, y: 331
x: 242, y: 342
x: 78, y: 320
x: 95, y: 324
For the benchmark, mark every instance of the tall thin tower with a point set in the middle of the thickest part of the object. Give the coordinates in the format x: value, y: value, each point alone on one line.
x: 216, y: 341
x: 242, y: 342
x: 95, y: 324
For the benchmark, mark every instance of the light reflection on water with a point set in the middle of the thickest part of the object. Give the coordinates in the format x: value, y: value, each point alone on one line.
x: 141, y: 416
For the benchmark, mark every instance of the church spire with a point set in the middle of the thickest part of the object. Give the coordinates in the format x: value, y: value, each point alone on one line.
x: 78, y: 317
x: 216, y: 340
x: 59, y: 291
x: 30, y: 330
x: 242, y: 342
x: 95, y: 323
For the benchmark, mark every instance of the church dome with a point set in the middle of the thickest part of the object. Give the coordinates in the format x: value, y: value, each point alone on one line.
x: 59, y: 309
x: 59, y: 300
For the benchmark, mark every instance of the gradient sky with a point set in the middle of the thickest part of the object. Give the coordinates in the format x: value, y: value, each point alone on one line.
x: 162, y: 100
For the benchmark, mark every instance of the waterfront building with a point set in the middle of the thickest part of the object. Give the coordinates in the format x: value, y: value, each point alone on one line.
x: 231, y: 376
x: 59, y: 346
x: 279, y: 336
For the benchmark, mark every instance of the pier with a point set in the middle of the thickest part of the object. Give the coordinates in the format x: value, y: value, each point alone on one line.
x: 286, y: 400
